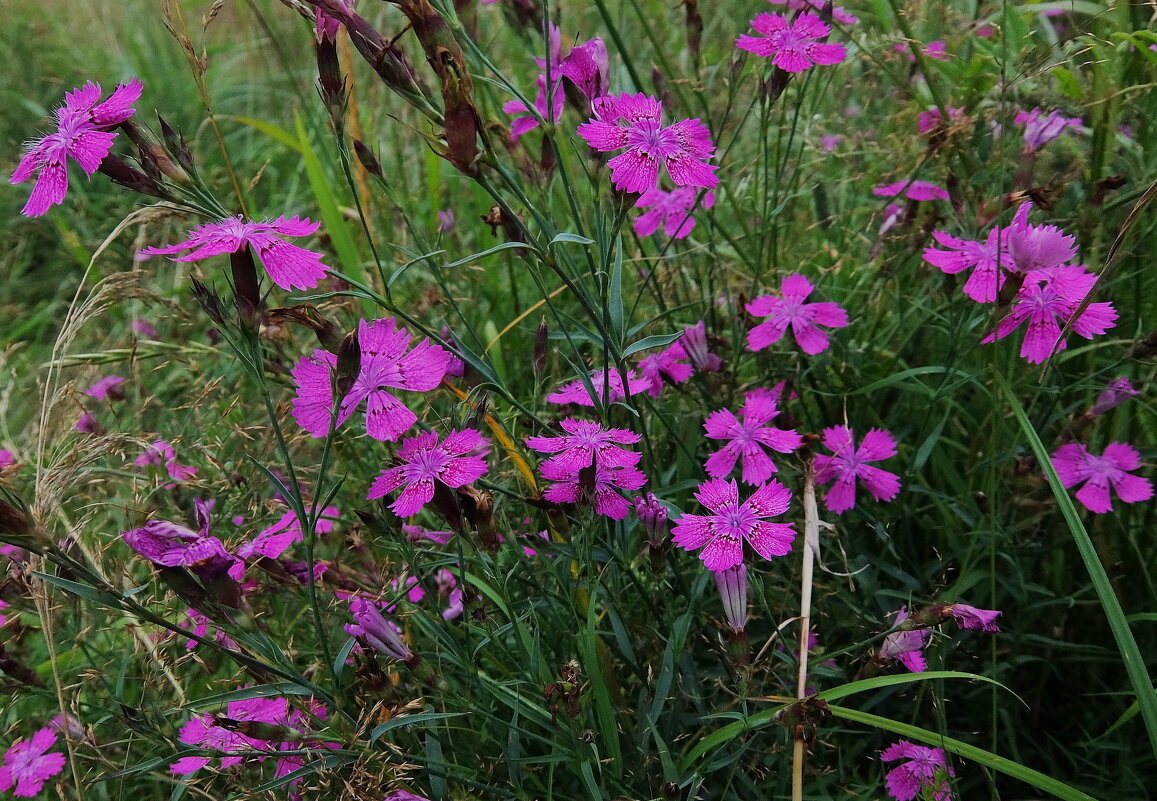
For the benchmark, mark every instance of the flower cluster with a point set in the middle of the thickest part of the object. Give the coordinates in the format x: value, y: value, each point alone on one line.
x: 588, y: 464
x: 924, y: 770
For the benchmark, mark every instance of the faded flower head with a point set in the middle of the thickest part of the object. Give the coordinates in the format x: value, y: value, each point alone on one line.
x: 913, y: 190
x: 1117, y: 392
x: 1041, y: 128
x: 905, y: 646
x: 167, y: 544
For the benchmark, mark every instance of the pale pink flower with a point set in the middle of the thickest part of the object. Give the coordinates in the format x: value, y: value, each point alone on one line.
x: 924, y: 770
x: 849, y: 463
x: 1076, y: 464
x: 445, y: 220
x: 82, y: 134
x: 1047, y: 301
x: 27, y: 763
x: 275, y: 540
x: 721, y: 534
x: 789, y: 309
x: 595, y: 485
x: 198, y: 625
x: 385, y: 365
x: 671, y: 210
x: 288, y: 265
x: 913, y: 190
x: 1041, y: 128
x: 144, y: 328
x: 587, y: 443
x: 905, y: 646
x: 936, y: 49
x: 829, y: 142
x: 749, y: 436
x: 601, y: 380
x: 635, y: 122
x: 106, y: 388
x: 987, y: 259
x: 793, y: 46
x: 455, y: 462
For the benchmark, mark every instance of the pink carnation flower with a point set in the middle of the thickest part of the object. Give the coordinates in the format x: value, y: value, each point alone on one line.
x: 985, y: 259
x: 106, y: 388
x: 913, y: 190
x: 27, y: 763
x: 1075, y: 464
x: 586, y: 66
x: 385, y: 365
x: 1037, y: 247
x: 792, y: 46
x: 749, y: 436
x: 970, y: 617
x: 1046, y: 301
x: 602, y: 380
x: 81, y: 133
x: 848, y: 463
x: 671, y: 210
x: 275, y: 540
x: 1117, y: 392
x: 635, y: 122
x: 528, y: 121
x: 596, y: 485
x: 167, y: 544
x: 905, y: 646
x: 790, y: 309
x: 288, y: 265
x: 721, y: 534
x: 839, y: 13
x: 924, y: 769
x: 671, y: 362
x: 383, y: 635
x: 455, y: 462
x: 6, y: 458
x: 587, y: 443
x: 1041, y: 128
x: 162, y: 453
x: 936, y: 49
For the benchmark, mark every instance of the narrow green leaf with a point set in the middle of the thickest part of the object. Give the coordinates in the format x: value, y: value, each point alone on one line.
x: 278, y: 690
x: 488, y: 252
x: 409, y: 720
x: 1126, y: 643
x: 578, y: 240
x: 646, y: 343
x: 269, y: 129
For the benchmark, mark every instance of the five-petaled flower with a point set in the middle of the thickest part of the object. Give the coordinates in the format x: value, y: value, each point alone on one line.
x: 673, y: 362
x: 275, y: 540
x: 749, y: 435
x: 671, y: 210
x: 635, y: 122
x: 607, y: 385
x: 385, y: 365
x: 793, y: 46
x: 721, y: 534
x: 595, y: 485
x: 1047, y: 300
x: 789, y: 309
x: 28, y: 765
x: 82, y: 133
x: 848, y: 463
x: 587, y: 443
x: 288, y: 265
x: 1036, y: 247
x: 988, y: 261
x: 455, y: 462
x: 924, y: 768
x: 1076, y: 464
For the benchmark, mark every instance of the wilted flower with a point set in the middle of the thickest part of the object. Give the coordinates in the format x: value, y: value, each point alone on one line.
x: 694, y: 342
x: 455, y: 462
x: 169, y: 544
x: 793, y: 46
x: 162, y: 453
x: 848, y: 463
x: 721, y: 534
x: 970, y: 617
x: 27, y: 763
x: 905, y: 646
x: 275, y: 540
x: 1117, y: 392
x: 82, y: 134
x: 1041, y: 128
x: 1076, y: 464
x: 732, y: 586
x: 383, y: 635
x: 106, y: 388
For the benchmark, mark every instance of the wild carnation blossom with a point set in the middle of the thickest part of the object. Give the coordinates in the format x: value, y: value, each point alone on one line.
x: 162, y: 453
x: 694, y: 343
x: 672, y: 362
x: 1117, y: 392
x: 455, y: 462
x: 602, y: 381
x: 722, y: 533
x: 839, y: 13
x: 635, y: 122
x: 1047, y: 301
x: 849, y: 463
x: 970, y: 617
x: 275, y: 540
x: 595, y: 485
x: 913, y: 190
x: 1076, y: 464
x: 586, y: 66
x: 792, y: 46
x: 586, y: 443
x: 385, y: 365
x: 988, y: 260
x: 749, y: 436
x: 1037, y: 247
x: 671, y: 210
x: 789, y: 309
x: 924, y: 770
x: 106, y: 388
x: 27, y: 763
x: 82, y: 133
x: 930, y: 120
x: 167, y: 544
x: 290, y: 266
x: 905, y: 646
x: 383, y: 635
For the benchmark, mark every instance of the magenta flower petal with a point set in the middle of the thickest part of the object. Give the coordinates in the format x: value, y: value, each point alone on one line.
x: 722, y: 533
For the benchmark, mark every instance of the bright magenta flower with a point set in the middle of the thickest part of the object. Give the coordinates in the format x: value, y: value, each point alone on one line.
x: 595, y: 485
x: 721, y: 534
x: 587, y: 443
x: 288, y: 265
x: 749, y: 435
x: 1037, y: 247
x: 167, y: 544
x: 635, y: 122
x: 1046, y: 301
x: 924, y: 769
x: 906, y: 646
x: 970, y: 617
x: 602, y: 380
x: 988, y: 261
x: 385, y: 365
x: 671, y: 210
x: 672, y: 362
x: 275, y: 540
x: 82, y: 133
x: 848, y: 463
x: 792, y: 46
x: 789, y: 309
x: 27, y: 765
x: 455, y: 462
x: 1075, y: 464
x: 106, y: 388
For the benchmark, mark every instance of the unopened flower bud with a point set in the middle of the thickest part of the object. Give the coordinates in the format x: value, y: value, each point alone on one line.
x: 175, y: 142
x: 541, y: 343
x: 367, y: 158
x: 1118, y: 391
x: 210, y: 302
x: 246, y: 286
